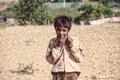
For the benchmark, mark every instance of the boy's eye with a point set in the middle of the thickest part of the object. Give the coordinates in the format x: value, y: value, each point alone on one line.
x: 61, y: 30
x: 64, y: 30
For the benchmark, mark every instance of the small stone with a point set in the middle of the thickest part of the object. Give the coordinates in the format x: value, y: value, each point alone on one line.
x: 0, y: 71
x: 94, y: 77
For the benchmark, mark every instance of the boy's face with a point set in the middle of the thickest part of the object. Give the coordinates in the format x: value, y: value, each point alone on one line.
x: 62, y: 32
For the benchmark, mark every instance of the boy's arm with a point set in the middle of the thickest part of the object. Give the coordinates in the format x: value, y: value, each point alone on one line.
x: 76, y: 49
x: 53, y: 53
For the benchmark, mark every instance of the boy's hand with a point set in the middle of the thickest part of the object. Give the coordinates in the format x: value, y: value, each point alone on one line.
x: 69, y: 42
x: 61, y: 40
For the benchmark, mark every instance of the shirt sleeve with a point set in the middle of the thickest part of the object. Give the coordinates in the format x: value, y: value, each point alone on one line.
x: 77, y: 50
x: 53, y: 53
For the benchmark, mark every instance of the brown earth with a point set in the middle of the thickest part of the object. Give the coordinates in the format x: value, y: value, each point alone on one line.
x: 28, y: 44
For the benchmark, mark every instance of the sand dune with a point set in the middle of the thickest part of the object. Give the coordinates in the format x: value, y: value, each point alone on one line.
x: 28, y: 44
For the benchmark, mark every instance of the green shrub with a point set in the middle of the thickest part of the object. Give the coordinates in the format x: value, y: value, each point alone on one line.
x: 94, y: 11
x: 30, y: 11
x: 27, y: 69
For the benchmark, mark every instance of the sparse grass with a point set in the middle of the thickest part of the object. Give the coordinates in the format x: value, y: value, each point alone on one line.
x: 27, y: 69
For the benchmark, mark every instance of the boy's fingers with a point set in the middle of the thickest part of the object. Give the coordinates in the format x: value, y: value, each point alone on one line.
x: 69, y: 42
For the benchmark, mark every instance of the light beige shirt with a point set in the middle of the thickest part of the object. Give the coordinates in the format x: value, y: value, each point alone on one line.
x: 65, y: 59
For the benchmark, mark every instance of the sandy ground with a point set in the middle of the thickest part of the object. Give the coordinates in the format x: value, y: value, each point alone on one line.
x: 28, y: 44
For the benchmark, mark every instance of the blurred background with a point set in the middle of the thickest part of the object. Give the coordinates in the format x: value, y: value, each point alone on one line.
x: 44, y: 11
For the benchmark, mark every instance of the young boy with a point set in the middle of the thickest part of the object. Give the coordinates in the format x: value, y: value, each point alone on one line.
x: 64, y: 52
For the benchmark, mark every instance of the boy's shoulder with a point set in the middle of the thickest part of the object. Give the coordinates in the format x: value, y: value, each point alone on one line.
x: 76, y: 40
x: 53, y: 40
x: 73, y: 37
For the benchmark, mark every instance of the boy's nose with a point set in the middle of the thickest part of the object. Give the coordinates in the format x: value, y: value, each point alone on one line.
x: 61, y: 32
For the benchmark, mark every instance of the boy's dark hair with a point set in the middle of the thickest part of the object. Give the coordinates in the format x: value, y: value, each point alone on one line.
x: 63, y: 20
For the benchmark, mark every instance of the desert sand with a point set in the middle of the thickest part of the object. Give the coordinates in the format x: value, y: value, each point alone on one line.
x: 27, y: 44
